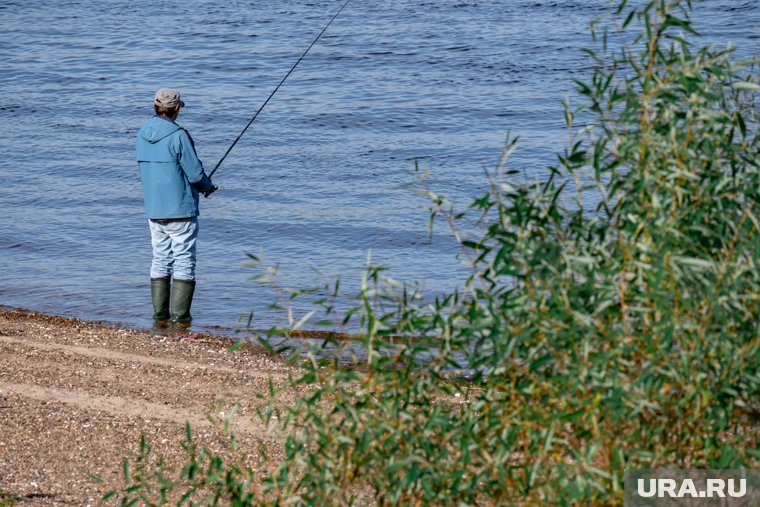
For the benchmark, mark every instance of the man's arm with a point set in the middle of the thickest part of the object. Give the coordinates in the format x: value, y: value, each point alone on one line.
x: 191, y: 165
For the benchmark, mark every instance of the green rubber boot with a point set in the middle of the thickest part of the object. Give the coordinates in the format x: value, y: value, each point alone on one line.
x: 159, y: 293
x: 181, y: 300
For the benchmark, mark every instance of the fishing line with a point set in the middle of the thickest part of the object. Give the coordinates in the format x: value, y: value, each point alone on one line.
x: 275, y: 90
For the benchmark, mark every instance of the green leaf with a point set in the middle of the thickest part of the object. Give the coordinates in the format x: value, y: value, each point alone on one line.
x: 681, y: 23
x: 745, y: 85
x: 628, y: 18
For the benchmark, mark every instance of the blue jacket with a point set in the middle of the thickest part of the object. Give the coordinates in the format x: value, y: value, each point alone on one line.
x: 170, y: 171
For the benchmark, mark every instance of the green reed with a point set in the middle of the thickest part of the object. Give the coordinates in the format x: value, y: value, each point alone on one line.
x: 610, y: 320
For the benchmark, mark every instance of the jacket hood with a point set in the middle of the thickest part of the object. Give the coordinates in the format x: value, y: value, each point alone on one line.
x: 157, y: 128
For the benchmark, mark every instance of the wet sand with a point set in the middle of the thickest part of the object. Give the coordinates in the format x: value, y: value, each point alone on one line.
x: 75, y: 397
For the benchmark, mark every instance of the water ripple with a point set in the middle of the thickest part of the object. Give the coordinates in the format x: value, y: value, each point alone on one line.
x: 325, y: 173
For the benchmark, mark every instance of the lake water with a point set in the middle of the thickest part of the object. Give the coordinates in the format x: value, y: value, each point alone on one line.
x: 326, y: 172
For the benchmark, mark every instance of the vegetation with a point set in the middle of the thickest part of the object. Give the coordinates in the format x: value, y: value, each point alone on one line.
x: 610, y: 320
x: 8, y: 499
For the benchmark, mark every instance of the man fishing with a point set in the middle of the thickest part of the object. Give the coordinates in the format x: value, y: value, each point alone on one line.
x: 172, y: 177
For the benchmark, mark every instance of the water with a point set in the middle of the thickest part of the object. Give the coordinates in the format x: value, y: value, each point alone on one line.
x: 322, y: 177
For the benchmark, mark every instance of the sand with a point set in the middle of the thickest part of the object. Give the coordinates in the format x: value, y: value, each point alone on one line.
x: 75, y: 397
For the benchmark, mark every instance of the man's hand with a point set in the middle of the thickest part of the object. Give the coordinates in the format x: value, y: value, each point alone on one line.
x: 211, y: 190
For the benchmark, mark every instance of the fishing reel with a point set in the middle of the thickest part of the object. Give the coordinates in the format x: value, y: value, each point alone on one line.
x: 213, y: 188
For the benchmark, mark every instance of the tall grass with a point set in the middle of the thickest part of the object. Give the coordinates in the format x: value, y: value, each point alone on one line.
x: 610, y: 321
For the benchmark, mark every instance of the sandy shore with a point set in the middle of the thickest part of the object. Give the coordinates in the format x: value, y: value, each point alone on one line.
x: 76, y: 396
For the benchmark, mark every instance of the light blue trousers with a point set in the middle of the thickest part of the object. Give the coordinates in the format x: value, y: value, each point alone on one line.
x: 173, y: 248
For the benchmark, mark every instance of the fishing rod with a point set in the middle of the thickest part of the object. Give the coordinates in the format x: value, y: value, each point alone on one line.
x: 276, y: 88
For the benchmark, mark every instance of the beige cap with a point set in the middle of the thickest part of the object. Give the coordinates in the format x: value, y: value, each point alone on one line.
x: 168, y: 97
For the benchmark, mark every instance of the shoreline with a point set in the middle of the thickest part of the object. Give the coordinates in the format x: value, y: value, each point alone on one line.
x: 225, y: 334
x: 76, y: 395
x: 222, y: 332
